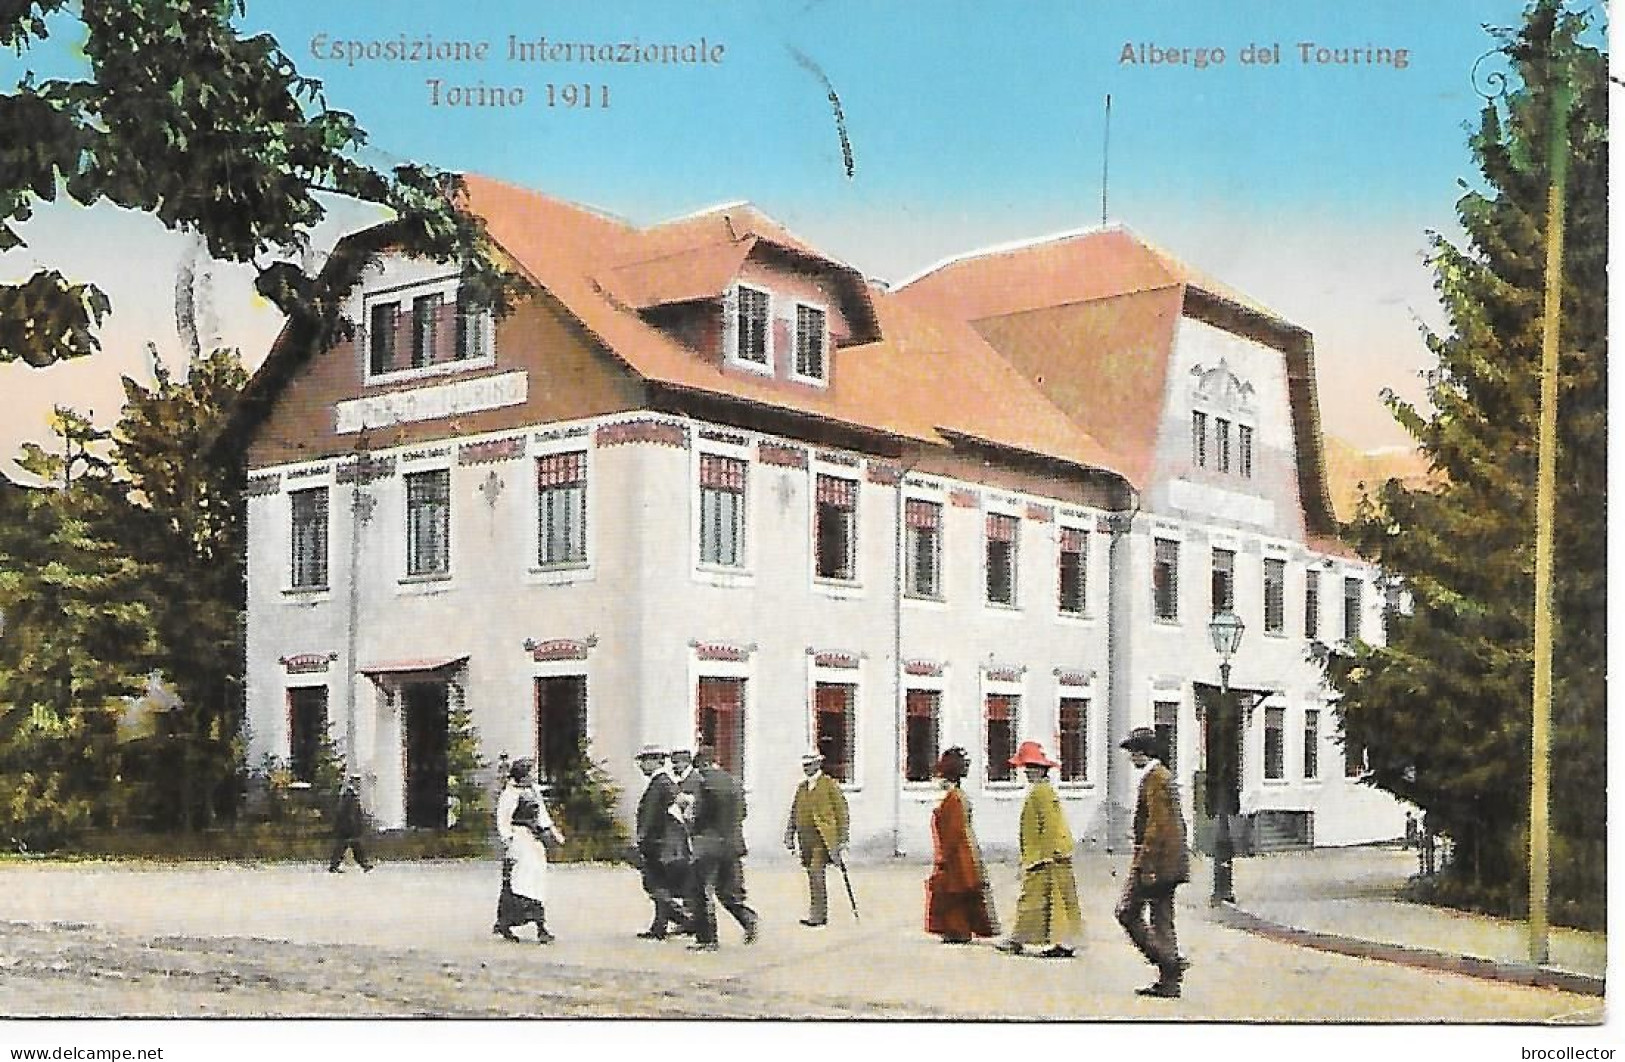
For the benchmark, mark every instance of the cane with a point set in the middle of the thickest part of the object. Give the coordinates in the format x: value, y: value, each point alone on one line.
x: 850, y: 898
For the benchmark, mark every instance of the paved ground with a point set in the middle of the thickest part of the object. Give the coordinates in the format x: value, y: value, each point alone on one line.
x: 213, y: 940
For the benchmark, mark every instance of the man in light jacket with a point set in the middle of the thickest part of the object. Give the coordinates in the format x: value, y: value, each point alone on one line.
x: 819, y: 827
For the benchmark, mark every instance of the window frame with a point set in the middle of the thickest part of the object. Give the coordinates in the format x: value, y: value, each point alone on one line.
x: 846, y: 520
x: 1165, y: 586
x: 1311, y: 744
x: 1274, y: 595
x: 846, y: 760
x: 1311, y: 603
x: 1011, y: 705
x: 1222, y: 590
x: 1065, y: 531
x: 541, y: 525
x: 298, y: 579
x: 1353, y: 608
x: 911, y: 547
x: 735, y: 337
x: 740, y: 512
x: 1221, y: 443
x: 934, y: 695
x: 1199, y: 419
x: 1011, y: 560
x: 455, y: 311
x: 1274, y: 743
x: 821, y: 377
x: 1244, y: 450
x: 1076, y: 773
x: 414, y: 572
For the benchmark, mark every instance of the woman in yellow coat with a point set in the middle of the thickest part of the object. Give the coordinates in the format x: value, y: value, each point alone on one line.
x: 1047, y: 915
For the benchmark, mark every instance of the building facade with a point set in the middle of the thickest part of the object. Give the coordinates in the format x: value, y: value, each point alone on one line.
x: 705, y: 483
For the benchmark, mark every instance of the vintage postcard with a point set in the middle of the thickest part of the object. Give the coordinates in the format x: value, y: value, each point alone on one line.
x: 810, y: 511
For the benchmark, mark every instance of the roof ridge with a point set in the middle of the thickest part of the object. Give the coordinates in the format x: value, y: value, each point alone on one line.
x: 1012, y: 246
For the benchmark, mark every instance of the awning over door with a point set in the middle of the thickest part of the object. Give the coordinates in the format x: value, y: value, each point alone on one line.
x: 421, y: 665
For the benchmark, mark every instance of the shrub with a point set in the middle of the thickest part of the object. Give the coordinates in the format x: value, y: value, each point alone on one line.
x: 584, y: 801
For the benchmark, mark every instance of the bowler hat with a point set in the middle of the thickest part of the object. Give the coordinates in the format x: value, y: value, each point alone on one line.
x: 1031, y: 754
x: 655, y: 751
x: 1142, y: 739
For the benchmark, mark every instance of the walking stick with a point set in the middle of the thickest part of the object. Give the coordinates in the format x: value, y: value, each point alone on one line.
x: 850, y: 898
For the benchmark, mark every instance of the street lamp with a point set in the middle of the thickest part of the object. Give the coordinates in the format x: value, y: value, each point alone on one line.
x: 1225, y: 629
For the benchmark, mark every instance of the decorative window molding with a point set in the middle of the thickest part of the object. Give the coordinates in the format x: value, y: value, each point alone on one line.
x: 480, y: 453
x: 659, y: 432
x: 722, y: 652
x: 781, y: 456
x: 556, y: 649
x: 306, y: 663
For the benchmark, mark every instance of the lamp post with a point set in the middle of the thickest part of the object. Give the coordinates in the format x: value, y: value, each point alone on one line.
x: 1225, y: 629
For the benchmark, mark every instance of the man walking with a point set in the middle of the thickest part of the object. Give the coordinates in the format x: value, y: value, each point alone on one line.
x: 659, y: 843
x: 349, y: 824
x: 717, y: 836
x: 1160, y: 864
x: 818, y: 826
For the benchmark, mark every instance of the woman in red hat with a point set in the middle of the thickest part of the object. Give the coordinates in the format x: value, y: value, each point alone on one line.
x: 958, y: 905
x: 1047, y: 915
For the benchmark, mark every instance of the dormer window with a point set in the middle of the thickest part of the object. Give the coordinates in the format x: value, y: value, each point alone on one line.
x: 751, y: 328
x: 425, y: 329
x: 811, y: 339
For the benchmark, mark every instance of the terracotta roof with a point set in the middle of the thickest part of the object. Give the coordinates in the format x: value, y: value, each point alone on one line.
x: 893, y: 385
x: 1107, y: 301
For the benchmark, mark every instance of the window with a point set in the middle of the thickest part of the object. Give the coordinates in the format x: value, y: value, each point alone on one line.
x: 1244, y: 450
x: 1001, y: 558
x: 1224, y: 581
x: 472, y: 323
x: 924, y: 545
x: 751, y: 327
x: 561, y: 724
x: 1221, y: 442
x: 836, y: 722
x: 307, y: 730
x: 1351, y: 610
x: 309, y: 509
x: 1074, y: 739
x: 923, y: 709
x: 1311, y: 604
x: 1001, y: 716
x: 1074, y: 570
x: 561, y: 509
x: 428, y: 523
x: 425, y: 329
x: 1274, y: 743
x: 1392, y: 602
x: 835, y: 526
x: 1165, y: 721
x: 1165, y: 579
x: 1353, y: 758
x: 1274, y: 595
x: 382, y: 324
x: 722, y: 511
x: 1311, y: 743
x: 1199, y: 440
x: 720, y: 721
x: 810, y: 342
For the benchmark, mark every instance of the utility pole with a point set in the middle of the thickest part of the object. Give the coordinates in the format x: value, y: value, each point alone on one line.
x: 1540, y: 736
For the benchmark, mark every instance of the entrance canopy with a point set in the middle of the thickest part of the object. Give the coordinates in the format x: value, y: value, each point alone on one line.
x: 403, y: 670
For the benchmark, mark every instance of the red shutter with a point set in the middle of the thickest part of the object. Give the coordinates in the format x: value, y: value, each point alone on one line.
x: 922, y: 514
x: 1072, y: 540
x: 919, y: 704
x: 1001, y: 528
x: 722, y: 473
x: 560, y: 470
x: 998, y: 708
x: 841, y: 493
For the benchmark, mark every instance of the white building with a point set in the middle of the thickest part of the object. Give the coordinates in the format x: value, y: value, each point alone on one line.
x: 706, y: 481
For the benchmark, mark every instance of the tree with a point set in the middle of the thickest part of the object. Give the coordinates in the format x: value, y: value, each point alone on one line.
x: 182, y: 521
x: 1443, y: 709
x: 181, y: 117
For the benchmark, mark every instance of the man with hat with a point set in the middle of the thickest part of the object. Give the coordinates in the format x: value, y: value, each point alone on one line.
x: 1047, y: 914
x: 660, y: 845
x: 818, y: 825
x: 1160, y: 864
x: 716, y: 831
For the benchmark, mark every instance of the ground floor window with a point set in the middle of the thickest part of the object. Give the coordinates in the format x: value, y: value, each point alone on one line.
x: 307, y: 730
x: 923, y: 710
x: 720, y: 721
x: 1002, y: 717
x: 561, y: 724
x: 1311, y: 743
x: 836, y: 704
x: 1074, y: 739
x: 1275, y: 743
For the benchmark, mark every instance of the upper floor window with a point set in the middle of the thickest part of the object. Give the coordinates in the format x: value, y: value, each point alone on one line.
x: 1274, y: 595
x: 810, y: 342
x: 309, y: 534
x: 428, y: 522
x: 1244, y: 451
x: 752, y: 326
x: 414, y: 330
x: 1074, y: 566
x: 1199, y: 439
x: 835, y: 528
x: 924, y: 543
x: 1165, y: 579
x: 1352, y: 594
x: 561, y: 509
x: 1002, y: 533
x: 1165, y: 724
x: 1224, y: 581
x: 1221, y: 442
x: 722, y: 511
x: 1311, y: 604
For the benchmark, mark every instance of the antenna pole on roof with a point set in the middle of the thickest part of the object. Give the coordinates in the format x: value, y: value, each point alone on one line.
x: 1105, y: 159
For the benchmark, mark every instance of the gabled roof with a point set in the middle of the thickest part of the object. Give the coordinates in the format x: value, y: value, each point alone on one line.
x: 908, y: 375
x: 1110, y: 300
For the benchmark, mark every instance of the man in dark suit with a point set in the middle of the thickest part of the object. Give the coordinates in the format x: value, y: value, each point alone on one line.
x: 660, y: 844
x: 717, y: 836
x: 1161, y: 863
x: 349, y: 825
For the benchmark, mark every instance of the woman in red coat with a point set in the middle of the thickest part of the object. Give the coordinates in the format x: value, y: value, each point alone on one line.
x: 958, y: 905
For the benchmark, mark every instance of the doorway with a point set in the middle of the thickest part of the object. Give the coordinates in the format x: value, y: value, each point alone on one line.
x: 561, y: 724
x: 424, y: 710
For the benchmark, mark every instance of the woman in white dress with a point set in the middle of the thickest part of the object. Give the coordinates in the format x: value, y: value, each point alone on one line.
x: 522, y: 819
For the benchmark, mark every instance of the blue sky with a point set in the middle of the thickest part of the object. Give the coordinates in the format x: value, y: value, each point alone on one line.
x: 1308, y: 185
